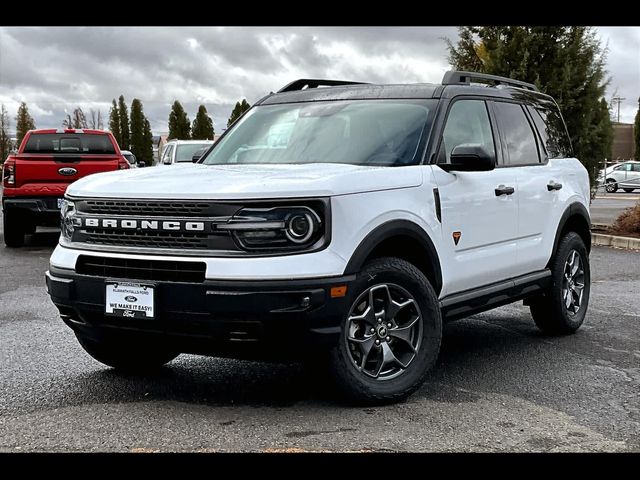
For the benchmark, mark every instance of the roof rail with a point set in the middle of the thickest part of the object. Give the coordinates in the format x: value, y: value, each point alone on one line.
x: 314, y: 83
x: 454, y: 77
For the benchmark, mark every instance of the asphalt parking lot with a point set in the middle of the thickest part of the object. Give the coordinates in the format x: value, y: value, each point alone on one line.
x: 606, y: 208
x: 499, y: 385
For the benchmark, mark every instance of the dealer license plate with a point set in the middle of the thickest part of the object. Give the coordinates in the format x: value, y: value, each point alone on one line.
x: 132, y: 300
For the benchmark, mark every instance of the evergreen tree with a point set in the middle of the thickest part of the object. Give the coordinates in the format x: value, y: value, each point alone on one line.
x: 179, y: 124
x: 147, y: 150
x: 114, y: 122
x: 137, y: 129
x: 237, y: 111
x: 5, y: 139
x: 202, y: 125
x: 123, y: 118
x: 564, y: 62
x: 24, y: 123
x: 636, y: 131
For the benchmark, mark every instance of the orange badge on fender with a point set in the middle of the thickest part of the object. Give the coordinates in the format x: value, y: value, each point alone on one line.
x: 456, y: 237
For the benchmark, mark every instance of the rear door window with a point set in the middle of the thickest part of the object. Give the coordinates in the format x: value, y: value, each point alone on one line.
x: 551, y: 127
x: 516, y: 133
x: 58, y: 143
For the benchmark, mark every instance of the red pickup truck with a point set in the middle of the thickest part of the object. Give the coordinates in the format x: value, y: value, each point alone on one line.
x: 34, y: 179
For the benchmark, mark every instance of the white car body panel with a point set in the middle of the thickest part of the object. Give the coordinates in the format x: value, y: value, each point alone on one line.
x: 540, y: 210
x: 486, y: 251
x: 227, y: 182
x: 498, y: 241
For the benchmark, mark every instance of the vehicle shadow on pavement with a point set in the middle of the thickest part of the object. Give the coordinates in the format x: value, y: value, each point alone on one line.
x: 472, y: 358
x: 38, y: 239
x: 42, y: 239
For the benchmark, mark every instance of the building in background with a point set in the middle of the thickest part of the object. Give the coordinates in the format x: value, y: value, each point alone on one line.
x: 155, y: 143
x: 158, y: 147
x: 623, y: 144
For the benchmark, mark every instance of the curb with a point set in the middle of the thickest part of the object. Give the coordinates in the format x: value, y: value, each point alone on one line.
x: 615, y: 241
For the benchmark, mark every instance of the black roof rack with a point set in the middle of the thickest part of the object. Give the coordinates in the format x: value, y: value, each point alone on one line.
x: 454, y: 77
x: 314, y: 83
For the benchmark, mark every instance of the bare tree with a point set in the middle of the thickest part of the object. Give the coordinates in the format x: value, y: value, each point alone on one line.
x: 95, y: 120
x: 76, y: 120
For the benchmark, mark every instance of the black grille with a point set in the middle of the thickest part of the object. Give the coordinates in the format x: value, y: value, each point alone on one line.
x: 141, y: 269
x: 149, y: 239
x: 154, y: 208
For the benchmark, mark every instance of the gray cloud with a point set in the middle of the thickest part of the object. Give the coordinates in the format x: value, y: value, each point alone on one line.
x: 55, y: 69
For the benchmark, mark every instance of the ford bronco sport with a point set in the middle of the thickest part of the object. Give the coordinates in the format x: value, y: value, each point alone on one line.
x: 35, y: 179
x: 342, y: 225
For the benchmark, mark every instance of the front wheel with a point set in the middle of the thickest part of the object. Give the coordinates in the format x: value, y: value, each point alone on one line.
x: 391, y: 335
x: 561, y: 310
x: 612, y: 186
x: 127, y: 356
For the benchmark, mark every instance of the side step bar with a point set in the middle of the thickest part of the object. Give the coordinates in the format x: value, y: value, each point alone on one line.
x: 469, y: 302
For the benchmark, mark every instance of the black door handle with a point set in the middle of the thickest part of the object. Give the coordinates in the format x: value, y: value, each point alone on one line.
x: 553, y: 186
x: 502, y: 190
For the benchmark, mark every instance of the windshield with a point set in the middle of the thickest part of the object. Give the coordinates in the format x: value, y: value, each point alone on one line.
x: 184, y: 153
x: 359, y: 132
x: 68, y: 143
x: 130, y: 157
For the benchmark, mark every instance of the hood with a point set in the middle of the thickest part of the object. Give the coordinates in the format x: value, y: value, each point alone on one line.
x: 219, y: 182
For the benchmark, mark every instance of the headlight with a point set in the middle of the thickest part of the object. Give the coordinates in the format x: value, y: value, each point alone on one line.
x: 68, y: 220
x: 276, y: 228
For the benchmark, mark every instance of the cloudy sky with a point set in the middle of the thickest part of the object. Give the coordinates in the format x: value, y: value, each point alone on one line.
x: 54, y: 69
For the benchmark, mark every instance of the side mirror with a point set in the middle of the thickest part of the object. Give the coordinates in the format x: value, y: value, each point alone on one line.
x: 469, y: 158
x: 195, y: 158
x: 141, y: 164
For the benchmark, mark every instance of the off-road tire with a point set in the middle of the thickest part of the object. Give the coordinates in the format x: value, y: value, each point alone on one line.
x: 355, y: 385
x: 549, y: 310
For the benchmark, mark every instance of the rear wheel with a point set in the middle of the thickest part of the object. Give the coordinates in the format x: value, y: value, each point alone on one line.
x: 628, y: 190
x: 14, y: 229
x: 128, y: 356
x: 391, y: 335
x: 612, y: 185
x: 561, y: 310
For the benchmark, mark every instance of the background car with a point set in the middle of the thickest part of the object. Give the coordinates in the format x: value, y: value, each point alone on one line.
x: 131, y: 158
x: 182, y: 151
x: 624, y: 175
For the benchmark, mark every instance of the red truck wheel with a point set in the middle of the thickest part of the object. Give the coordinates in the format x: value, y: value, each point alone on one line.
x: 13, y: 230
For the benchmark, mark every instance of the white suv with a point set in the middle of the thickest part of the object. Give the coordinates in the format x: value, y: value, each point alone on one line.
x: 183, y: 151
x: 338, y: 225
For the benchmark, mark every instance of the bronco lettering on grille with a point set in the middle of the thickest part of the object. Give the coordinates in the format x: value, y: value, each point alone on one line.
x: 172, y: 225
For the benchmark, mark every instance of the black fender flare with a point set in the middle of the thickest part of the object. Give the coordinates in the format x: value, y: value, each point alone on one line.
x: 574, y: 209
x: 391, y: 229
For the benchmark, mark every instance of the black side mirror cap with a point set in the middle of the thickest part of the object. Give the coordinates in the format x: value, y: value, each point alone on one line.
x: 469, y: 158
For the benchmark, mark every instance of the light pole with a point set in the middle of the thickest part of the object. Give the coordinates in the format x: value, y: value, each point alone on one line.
x: 618, y: 99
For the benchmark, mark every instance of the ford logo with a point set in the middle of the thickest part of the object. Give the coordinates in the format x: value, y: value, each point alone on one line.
x: 67, y: 171
x: 131, y: 298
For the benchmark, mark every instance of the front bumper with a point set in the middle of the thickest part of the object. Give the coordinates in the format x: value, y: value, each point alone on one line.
x: 245, y: 319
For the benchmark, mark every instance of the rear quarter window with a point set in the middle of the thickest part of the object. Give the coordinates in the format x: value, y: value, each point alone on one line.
x: 73, y: 144
x: 550, y: 125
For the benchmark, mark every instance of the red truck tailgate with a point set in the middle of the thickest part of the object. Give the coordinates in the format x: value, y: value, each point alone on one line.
x: 49, y: 160
x: 32, y: 171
